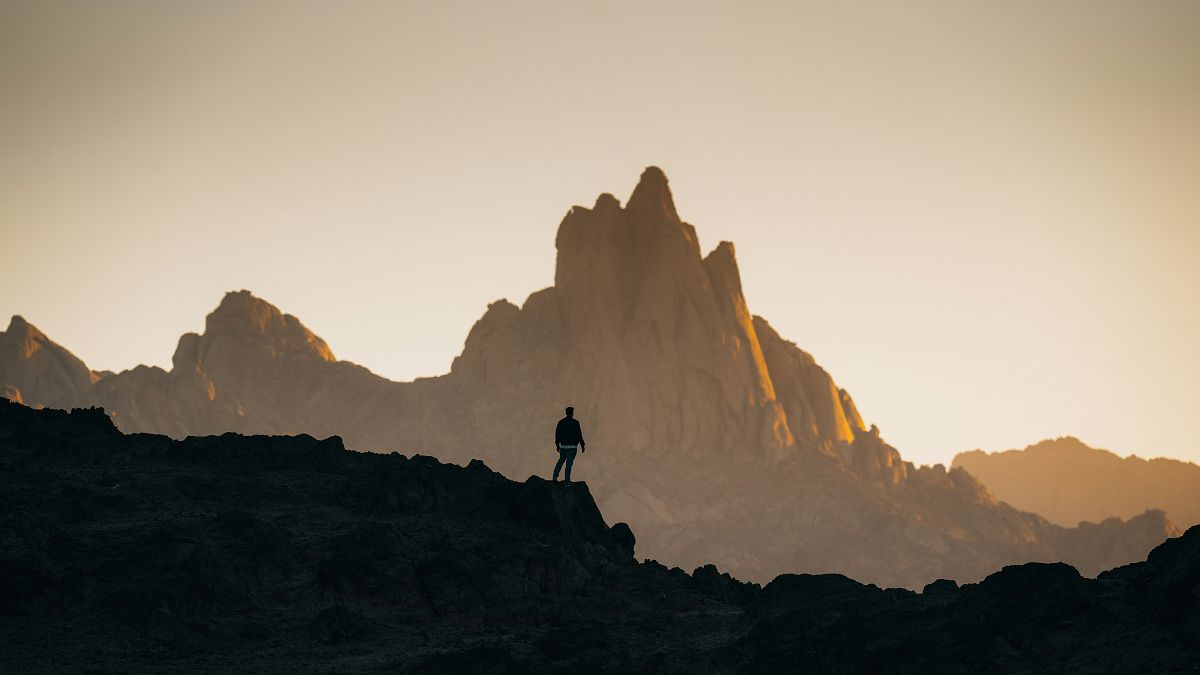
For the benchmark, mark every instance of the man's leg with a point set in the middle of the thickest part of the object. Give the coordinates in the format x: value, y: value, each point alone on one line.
x: 562, y: 455
x: 569, y: 455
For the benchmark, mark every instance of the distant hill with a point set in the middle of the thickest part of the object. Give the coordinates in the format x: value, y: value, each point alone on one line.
x: 1066, y: 482
x: 713, y: 436
x: 280, y: 554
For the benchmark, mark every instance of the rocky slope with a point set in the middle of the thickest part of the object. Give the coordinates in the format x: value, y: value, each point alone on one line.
x: 1066, y: 482
x: 713, y: 436
x: 229, y: 553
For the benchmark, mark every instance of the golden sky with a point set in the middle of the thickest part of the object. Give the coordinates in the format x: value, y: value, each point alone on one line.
x: 982, y: 218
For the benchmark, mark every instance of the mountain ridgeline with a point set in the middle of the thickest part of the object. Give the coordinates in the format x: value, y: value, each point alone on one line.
x: 1067, y: 482
x: 714, y: 437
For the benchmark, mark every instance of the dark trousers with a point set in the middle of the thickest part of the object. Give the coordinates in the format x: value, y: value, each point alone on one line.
x: 566, y: 455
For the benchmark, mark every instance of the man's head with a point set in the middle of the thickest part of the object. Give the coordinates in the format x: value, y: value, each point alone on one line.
x: 570, y: 411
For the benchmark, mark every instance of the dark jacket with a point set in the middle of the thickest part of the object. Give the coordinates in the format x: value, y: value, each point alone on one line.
x: 568, y: 432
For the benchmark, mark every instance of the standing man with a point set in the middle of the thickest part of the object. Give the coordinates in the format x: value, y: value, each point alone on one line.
x: 567, y: 437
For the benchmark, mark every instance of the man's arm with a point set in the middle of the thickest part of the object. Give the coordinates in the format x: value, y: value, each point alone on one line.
x: 582, y: 445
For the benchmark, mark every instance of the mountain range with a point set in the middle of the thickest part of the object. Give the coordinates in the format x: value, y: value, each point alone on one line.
x: 717, y: 439
x: 1068, y: 482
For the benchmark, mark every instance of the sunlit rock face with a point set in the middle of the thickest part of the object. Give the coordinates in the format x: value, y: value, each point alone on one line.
x: 714, y: 437
x: 657, y: 349
x: 1065, y: 481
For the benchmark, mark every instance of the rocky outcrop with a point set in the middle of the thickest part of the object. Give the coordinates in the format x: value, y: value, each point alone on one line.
x: 1067, y: 482
x: 715, y: 438
x: 284, y: 554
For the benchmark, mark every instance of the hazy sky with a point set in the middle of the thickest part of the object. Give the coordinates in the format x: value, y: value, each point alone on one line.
x: 982, y: 219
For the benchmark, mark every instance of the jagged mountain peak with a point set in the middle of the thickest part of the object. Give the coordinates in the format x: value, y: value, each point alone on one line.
x: 618, y: 249
x: 17, y: 323
x: 721, y: 265
x: 38, y: 370
x: 652, y: 196
x: 246, y: 317
x: 26, y: 338
x: 606, y: 201
x: 243, y: 304
x: 20, y: 330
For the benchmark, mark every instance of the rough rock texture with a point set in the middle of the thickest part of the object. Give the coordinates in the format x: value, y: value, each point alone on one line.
x: 1066, y: 482
x: 289, y: 554
x: 715, y: 438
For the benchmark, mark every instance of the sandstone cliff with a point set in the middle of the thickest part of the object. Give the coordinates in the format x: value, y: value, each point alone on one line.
x: 1065, y: 481
x: 715, y: 438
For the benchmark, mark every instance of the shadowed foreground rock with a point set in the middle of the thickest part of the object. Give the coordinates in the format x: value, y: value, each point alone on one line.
x: 232, y: 553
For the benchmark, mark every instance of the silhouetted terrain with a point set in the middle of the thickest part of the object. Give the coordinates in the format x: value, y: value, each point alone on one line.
x: 714, y: 437
x: 139, y: 553
x: 1066, y: 482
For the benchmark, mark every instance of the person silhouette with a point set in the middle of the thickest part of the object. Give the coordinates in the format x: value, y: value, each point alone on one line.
x: 568, y: 436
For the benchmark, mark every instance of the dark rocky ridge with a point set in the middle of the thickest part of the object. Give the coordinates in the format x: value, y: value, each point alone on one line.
x: 718, y: 440
x: 138, y: 553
